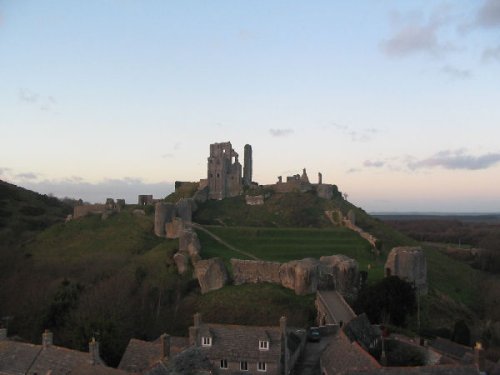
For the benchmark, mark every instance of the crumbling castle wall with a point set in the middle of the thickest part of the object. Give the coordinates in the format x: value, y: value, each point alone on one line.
x: 247, y: 167
x: 86, y: 209
x: 410, y: 264
x: 325, y: 191
x: 304, y: 276
x: 254, y: 200
x: 224, y: 172
x: 339, y: 272
x: 255, y: 271
x: 174, y: 228
x: 145, y: 199
x: 211, y: 274
x: 185, y: 209
x: 164, y: 213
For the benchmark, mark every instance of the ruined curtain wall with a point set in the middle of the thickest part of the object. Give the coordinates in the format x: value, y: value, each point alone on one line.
x: 255, y: 271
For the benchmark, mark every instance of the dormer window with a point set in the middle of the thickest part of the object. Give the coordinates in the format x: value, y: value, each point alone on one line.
x: 206, y: 341
x: 263, y: 345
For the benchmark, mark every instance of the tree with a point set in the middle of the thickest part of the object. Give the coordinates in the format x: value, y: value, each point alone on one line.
x: 388, y: 301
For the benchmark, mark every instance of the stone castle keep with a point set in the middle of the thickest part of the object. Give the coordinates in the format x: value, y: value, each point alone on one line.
x: 224, y: 178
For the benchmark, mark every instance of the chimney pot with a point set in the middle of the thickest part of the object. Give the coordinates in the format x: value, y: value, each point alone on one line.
x: 165, y: 346
x: 94, y: 352
x: 197, y: 319
x: 47, y: 338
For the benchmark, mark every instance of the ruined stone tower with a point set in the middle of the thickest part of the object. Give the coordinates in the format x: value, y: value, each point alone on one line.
x: 247, y: 168
x: 224, y: 171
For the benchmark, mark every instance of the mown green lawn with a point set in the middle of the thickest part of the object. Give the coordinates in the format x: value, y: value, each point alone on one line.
x: 285, y: 244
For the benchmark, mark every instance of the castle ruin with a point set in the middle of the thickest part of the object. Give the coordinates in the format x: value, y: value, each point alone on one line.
x: 247, y: 168
x: 224, y: 178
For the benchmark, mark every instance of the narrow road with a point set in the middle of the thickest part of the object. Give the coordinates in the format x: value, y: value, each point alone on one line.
x: 222, y: 242
x: 336, y: 306
x: 308, y: 363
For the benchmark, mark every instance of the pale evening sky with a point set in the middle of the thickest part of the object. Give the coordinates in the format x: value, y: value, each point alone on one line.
x: 396, y: 102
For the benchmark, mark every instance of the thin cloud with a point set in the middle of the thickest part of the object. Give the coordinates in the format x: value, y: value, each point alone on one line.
x: 4, y: 171
x: 457, y: 160
x: 353, y: 170
x: 488, y: 15
x: 456, y: 73
x: 127, y: 188
x: 27, y: 176
x: 167, y: 156
x: 374, y: 164
x: 415, y: 36
x: 491, y: 54
x: 281, y: 132
x: 28, y: 96
x: 363, y: 135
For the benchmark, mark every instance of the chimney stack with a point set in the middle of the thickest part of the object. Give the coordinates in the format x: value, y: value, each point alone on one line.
x: 197, y: 320
x: 3, y: 334
x: 284, y: 344
x: 194, y: 331
x: 165, y: 346
x: 479, y: 356
x: 320, y: 178
x: 283, y: 325
x: 95, y: 358
x: 47, y: 338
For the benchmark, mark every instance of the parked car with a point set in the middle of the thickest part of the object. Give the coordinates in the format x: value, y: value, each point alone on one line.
x: 313, y: 334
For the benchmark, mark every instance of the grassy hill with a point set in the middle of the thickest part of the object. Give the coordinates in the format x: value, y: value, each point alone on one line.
x: 454, y: 286
x: 23, y: 213
x: 280, y: 210
x: 285, y: 244
x: 114, y: 279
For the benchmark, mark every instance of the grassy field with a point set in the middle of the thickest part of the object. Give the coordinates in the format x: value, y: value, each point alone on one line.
x: 445, y: 275
x: 257, y: 304
x: 285, y: 244
x: 453, y: 278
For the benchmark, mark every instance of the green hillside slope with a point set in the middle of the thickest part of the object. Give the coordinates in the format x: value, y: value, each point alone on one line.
x: 23, y: 213
x: 114, y: 279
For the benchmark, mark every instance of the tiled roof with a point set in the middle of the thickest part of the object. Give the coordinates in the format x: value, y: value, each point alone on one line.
x: 342, y: 355
x: 450, y: 348
x: 241, y: 343
x: 192, y: 361
x: 89, y: 369
x: 421, y: 370
x: 141, y: 355
x: 58, y: 360
x: 361, y: 330
x: 17, y: 357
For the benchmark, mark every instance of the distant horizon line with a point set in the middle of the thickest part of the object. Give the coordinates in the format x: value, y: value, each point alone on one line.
x: 436, y: 213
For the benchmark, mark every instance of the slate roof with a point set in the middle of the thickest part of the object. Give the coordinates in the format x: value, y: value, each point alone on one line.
x: 58, y: 360
x: 241, y: 343
x: 361, y: 330
x: 421, y: 370
x: 141, y: 355
x: 89, y: 369
x: 450, y: 348
x: 341, y: 355
x: 17, y: 357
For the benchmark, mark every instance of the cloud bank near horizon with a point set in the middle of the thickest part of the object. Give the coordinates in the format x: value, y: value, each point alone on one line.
x: 460, y: 159
x: 75, y: 187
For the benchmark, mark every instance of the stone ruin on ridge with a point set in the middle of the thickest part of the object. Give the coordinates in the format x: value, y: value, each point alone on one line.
x: 408, y: 263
